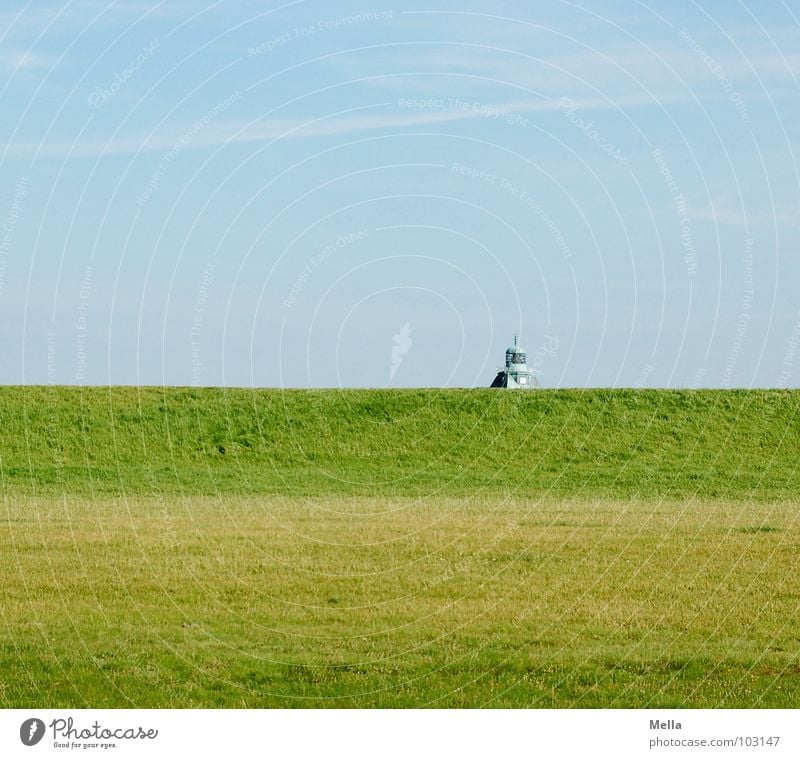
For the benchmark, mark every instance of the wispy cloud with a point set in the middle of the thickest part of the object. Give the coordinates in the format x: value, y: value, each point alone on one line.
x: 347, y: 122
x: 25, y: 60
x: 667, y: 68
x: 722, y: 210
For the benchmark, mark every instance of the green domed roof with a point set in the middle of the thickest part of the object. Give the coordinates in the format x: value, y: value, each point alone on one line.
x: 515, y: 348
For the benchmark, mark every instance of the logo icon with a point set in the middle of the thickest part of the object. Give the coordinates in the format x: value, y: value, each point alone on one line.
x: 31, y: 732
x: 402, y: 344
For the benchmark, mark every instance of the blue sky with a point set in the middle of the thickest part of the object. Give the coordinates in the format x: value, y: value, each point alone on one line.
x: 279, y: 194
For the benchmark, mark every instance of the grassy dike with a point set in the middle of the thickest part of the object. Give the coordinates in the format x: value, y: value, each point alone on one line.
x: 568, y: 443
x: 420, y: 548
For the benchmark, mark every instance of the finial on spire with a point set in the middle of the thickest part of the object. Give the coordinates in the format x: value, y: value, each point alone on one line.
x: 516, y: 339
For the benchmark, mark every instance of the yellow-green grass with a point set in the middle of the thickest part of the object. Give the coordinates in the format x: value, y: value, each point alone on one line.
x: 480, y: 601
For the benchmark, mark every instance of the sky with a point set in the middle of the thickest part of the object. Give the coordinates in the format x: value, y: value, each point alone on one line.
x: 317, y: 194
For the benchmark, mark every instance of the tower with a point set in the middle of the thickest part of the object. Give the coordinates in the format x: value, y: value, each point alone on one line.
x: 515, y: 374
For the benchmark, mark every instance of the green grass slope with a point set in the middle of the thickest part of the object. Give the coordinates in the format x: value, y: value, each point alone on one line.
x: 614, y: 443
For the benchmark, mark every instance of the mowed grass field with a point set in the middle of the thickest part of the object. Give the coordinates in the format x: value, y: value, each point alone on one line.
x: 220, y: 548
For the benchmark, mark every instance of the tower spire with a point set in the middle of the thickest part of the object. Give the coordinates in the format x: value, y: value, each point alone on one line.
x: 516, y: 373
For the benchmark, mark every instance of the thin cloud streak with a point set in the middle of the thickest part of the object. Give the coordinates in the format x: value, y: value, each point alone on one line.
x: 233, y: 132
x: 25, y: 60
